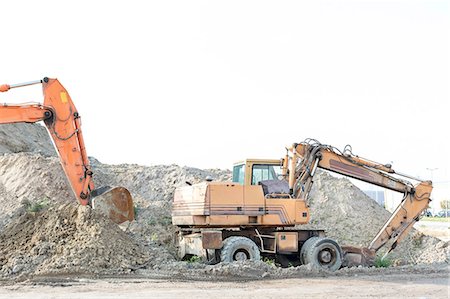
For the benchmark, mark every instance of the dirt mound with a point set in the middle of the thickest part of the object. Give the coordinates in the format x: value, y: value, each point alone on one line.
x: 337, y: 206
x: 33, y: 178
x: 352, y: 218
x: 29, y: 179
x: 67, y: 239
x: 154, y: 183
x: 71, y: 239
x: 23, y: 137
x: 346, y: 212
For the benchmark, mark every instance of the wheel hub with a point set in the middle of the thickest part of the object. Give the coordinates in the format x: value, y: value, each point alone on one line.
x: 325, y: 256
x: 240, y: 256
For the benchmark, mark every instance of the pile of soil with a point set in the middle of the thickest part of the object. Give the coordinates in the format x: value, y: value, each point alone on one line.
x: 67, y: 238
x: 23, y: 137
x: 30, y: 178
x: 154, y: 183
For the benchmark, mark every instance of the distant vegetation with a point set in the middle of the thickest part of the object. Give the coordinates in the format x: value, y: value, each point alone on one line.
x: 445, y: 204
x: 437, y: 219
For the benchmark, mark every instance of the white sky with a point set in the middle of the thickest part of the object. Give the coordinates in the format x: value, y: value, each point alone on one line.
x: 207, y: 83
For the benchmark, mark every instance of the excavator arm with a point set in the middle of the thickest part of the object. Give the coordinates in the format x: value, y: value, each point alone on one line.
x: 304, y: 159
x: 28, y: 113
x: 63, y: 123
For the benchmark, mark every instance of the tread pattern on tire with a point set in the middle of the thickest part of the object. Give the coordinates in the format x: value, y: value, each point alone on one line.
x: 232, y: 244
x: 304, y: 249
x: 309, y: 254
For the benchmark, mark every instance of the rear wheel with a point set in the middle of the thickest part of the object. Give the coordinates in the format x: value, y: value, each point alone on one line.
x: 322, y: 252
x: 239, y: 249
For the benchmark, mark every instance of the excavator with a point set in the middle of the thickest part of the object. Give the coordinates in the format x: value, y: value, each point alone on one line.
x: 261, y: 212
x: 63, y: 123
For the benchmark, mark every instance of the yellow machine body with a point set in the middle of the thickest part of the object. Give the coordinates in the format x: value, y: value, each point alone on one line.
x: 241, y: 202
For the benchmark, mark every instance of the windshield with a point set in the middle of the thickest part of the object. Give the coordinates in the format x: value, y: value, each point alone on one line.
x: 262, y: 172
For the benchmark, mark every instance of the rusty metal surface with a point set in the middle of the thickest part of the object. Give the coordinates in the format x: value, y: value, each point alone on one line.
x: 355, y: 256
x: 212, y: 239
x: 115, y: 203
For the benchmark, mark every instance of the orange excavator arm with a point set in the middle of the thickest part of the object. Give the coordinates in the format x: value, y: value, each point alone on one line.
x: 29, y: 113
x: 304, y: 159
x: 63, y: 122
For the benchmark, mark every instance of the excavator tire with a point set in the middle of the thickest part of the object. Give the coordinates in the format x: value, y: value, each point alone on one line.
x: 239, y: 249
x: 323, y: 253
x: 304, y: 249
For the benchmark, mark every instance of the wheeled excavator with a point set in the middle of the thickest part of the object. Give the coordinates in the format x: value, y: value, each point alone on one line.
x: 63, y: 123
x: 262, y: 210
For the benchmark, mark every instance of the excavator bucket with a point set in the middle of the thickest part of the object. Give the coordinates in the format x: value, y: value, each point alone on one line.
x: 115, y: 203
x: 356, y: 256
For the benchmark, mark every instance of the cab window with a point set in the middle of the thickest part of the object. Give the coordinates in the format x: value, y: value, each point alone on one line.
x: 238, y: 174
x: 262, y: 172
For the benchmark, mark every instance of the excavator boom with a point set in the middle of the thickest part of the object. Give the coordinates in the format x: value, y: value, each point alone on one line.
x: 63, y: 122
x: 307, y: 156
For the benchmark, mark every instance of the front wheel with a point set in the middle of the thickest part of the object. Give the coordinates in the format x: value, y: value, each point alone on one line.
x: 323, y: 253
x: 239, y: 249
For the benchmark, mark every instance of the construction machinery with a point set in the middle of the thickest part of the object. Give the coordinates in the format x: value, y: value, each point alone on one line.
x: 261, y: 211
x: 63, y: 123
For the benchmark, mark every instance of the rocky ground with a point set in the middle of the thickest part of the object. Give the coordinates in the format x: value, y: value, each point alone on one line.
x: 63, y: 237
x: 398, y: 285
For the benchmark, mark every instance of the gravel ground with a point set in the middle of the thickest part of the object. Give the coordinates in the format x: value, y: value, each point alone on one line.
x: 380, y: 286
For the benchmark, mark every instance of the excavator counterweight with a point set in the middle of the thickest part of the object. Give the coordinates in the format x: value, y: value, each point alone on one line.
x: 63, y: 123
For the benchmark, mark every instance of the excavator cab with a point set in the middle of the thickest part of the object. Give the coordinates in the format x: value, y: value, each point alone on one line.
x: 253, y: 171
